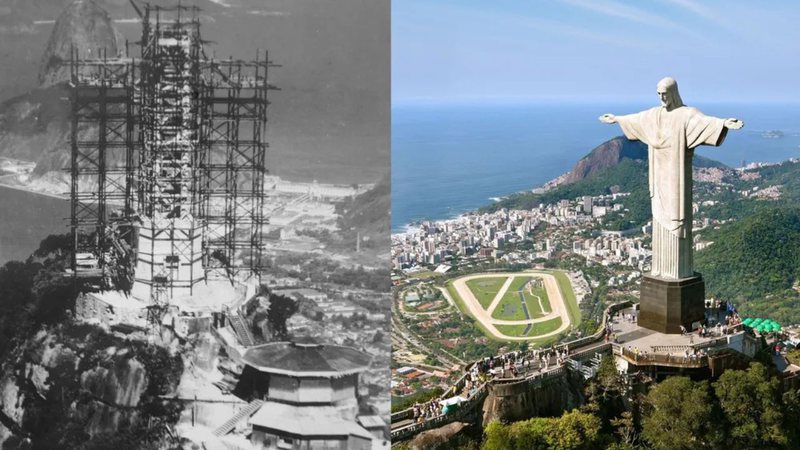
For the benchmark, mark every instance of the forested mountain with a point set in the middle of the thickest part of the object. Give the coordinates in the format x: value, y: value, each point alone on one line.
x: 617, y: 165
x: 755, y: 262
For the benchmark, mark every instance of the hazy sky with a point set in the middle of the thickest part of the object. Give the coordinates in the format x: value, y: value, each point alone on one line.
x: 508, y: 50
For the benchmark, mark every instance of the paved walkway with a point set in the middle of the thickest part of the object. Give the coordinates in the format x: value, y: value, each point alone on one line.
x: 631, y: 334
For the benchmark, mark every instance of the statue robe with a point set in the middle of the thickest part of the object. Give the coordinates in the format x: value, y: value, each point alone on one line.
x: 671, y: 137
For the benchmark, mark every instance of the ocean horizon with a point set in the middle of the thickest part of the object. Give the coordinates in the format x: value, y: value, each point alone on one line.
x: 452, y: 158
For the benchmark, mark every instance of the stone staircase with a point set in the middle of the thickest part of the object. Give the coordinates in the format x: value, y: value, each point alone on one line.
x: 241, y: 328
x: 587, y: 368
x: 244, y: 413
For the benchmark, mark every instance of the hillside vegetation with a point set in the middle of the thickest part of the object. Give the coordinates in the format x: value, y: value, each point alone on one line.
x: 617, y: 165
x: 755, y: 262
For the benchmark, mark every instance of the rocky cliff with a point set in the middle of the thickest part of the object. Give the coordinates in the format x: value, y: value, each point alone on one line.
x: 605, y: 155
x: 611, y: 153
x: 71, y: 385
x: 522, y: 400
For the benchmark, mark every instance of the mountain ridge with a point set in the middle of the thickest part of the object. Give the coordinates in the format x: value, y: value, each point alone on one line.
x: 616, y: 165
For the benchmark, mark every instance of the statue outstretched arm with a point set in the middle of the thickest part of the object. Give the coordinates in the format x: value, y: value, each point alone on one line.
x: 733, y: 124
x: 608, y: 118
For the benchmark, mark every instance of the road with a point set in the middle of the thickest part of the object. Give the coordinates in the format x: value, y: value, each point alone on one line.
x: 400, y: 331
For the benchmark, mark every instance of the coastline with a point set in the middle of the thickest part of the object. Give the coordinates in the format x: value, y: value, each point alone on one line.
x: 545, y: 187
x: 415, y: 224
x: 34, y: 191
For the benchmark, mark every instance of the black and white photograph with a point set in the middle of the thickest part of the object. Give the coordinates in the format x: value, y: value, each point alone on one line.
x: 194, y: 225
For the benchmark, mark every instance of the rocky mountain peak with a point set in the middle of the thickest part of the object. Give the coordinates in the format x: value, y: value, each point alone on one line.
x: 86, y: 26
x: 605, y: 155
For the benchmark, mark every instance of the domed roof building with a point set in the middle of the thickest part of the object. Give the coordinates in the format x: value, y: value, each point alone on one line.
x: 310, y: 396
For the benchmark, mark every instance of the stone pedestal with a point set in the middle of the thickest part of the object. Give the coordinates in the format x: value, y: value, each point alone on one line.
x: 666, y: 304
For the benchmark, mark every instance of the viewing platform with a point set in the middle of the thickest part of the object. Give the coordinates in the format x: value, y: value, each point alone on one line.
x: 638, y: 348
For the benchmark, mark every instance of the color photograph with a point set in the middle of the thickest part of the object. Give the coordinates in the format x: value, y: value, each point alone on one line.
x: 595, y: 225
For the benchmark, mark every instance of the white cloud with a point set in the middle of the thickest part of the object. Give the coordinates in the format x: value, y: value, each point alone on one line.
x: 627, y: 12
x: 701, y: 11
x: 221, y: 3
x: 260, y: 12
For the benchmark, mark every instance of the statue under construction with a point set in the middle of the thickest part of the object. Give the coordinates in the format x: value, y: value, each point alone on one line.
x: 167, y: 170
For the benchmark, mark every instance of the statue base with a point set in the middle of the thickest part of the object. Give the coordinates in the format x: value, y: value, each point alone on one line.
x: 666, y: 304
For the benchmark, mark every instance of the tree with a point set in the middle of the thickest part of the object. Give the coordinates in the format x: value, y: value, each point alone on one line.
x: 531, y: 434
x: 280, y: 309
x: 750, y: 401
x: 603, y: 393
x: 575, y: 430
x: 679, y: 415
x: 607, y: 374
x: 625, y: 428
x: 496, y: 436
x: 54, y: 243
x: 791, y: 407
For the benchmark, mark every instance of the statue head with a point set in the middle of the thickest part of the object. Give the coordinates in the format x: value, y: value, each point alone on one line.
x: 667, y: 90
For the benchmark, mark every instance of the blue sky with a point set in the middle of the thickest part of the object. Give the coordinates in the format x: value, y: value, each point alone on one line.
x: 594, y: 50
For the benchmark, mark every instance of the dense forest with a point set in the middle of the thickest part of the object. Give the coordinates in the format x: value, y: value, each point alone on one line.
x: 742, y: 409
x: 755, y: 262
x: 35, y: 292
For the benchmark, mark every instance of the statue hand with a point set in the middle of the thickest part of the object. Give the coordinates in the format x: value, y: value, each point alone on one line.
x: 733, y: 124
x: 608, y: 118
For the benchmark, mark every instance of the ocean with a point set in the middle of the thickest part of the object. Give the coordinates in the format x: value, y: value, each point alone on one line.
x: 448, y: 159
x: 25, y: 219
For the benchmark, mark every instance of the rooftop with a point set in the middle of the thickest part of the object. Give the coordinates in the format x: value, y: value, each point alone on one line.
x: 306, y: 421
x: 306, y: 359
x: 371, y: 421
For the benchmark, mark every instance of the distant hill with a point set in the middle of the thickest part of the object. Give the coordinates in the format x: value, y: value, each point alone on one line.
x: 617, y: 165
x: 612, y: 152
x: 35, y: 126
x: 755, y: 262
x: 370, y: 214
x: 83, y: 25
x: 605, y: 155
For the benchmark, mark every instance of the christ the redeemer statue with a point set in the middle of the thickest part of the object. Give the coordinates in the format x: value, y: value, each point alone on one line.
x: 671, y: 132
x: 672, y: 295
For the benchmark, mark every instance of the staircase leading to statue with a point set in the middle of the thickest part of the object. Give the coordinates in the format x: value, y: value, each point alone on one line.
x: 244, y: 413
x: 241, y: 328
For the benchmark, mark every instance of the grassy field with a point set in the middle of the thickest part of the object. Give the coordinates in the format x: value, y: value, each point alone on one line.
x: 518, y: 283
x: 485, y: 289
x: 425, y: 275
x: 569, y: 297
x: 511, y: 330
x: 545, y: 327
x: 538, y: 329
x: 510, y: 308
x: 533, y: 302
